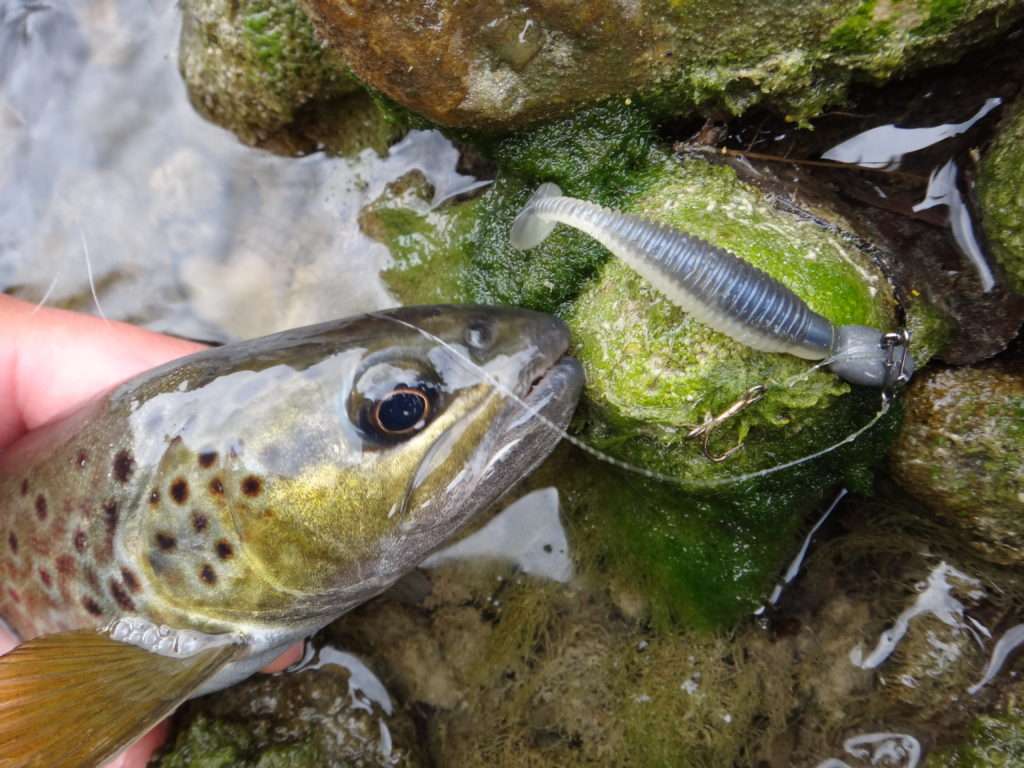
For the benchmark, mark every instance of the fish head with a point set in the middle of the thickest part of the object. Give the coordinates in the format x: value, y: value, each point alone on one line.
x: 346, y: 453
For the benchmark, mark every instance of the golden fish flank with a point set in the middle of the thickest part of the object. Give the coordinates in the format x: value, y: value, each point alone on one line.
x: 208, y: 513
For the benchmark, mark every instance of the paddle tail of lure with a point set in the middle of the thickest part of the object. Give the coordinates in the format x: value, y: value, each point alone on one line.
x: 719, y: 289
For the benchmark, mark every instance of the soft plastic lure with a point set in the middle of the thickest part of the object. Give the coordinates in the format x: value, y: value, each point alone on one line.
x: 721, y: 290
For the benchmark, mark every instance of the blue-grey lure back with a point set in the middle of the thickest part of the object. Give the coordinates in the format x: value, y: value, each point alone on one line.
x: 720, y: 289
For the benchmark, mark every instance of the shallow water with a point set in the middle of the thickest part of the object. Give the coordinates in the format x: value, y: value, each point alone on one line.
x: 116, y: 198
x: 106, y: 169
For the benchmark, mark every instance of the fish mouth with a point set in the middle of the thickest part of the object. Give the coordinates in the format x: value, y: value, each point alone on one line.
x: 529, y: 428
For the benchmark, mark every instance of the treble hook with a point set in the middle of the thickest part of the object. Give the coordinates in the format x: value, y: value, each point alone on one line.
x: 711, y: 423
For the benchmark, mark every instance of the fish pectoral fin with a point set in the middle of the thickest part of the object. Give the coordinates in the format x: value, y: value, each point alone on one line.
x: 77, y: 698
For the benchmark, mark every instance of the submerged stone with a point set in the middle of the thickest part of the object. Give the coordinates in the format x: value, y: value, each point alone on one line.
x: 960, y: 449
x: 508, y: 668
x: 993, y: 741
x: 1001, y: 194
x: 503, y: 64
x: 314, y: 717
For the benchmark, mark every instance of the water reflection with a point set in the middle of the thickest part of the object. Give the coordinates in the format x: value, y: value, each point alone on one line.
x: 886, y: 145
x: 896, y: 750
x: 107, y: 173
x: 943, y: 190
x: 528, y: 532
x: 1011, y: 640
x: 936, y: 599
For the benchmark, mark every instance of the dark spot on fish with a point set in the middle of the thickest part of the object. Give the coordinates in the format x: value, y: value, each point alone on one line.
x: 548, y: 548
x: 179, y: 490
x: 251, y: 486
x: 120, y: 596
x: 206, y: 459
x: 199, y: 522
x: 224, y: 549
x: 268, y: 513
x: 80, y: 541
x: 154, y: 497
x: 83, y: 459
x: 91, y: 606
x: 66, y: 566
x: 14, y: 594
x: 110, y: 516
x: 216, y: 487
x: 166, y: 541
x: 41, y: 507
x: 207, y: 574
x: 44, y: 576
x: 24, y: 487
x: 124, y: 465
x: 12, y: 542
x: 130, y: 579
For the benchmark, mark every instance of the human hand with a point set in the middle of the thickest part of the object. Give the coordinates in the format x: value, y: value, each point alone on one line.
x: 50, y: 361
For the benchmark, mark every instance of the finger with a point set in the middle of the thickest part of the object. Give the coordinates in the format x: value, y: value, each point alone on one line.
x: 7, y: 641
x: 286, y: 659
x: 138, y: 754
x: 51, y: 360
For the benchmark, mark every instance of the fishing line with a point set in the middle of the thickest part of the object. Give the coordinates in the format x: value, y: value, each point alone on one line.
x: 649, y: 474
x: 88, y: 269
x: 46, y: 296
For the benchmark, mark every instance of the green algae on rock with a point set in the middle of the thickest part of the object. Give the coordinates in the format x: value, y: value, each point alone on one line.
x: 504, y: 64
x: 315, y: 717
x: 257, y: 68
x: 1001, y: 195
x: 993, y: 741
x: 960, y: 449
x: 428, y: 245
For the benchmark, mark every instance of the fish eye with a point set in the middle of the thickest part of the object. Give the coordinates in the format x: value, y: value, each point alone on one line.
x: 394, y: 398
x: 402, y: 411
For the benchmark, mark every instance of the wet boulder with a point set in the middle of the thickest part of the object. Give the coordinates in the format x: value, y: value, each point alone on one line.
x: 256, y: 68
x: 1001, y: 195
x: 333, y: 714
x: 504, y: 64
x: 993, y: 740
x: 959, y: 450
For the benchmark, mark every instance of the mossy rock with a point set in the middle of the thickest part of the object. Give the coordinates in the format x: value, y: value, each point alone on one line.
x: 993, y: 741
x: 314, y: 717
x: 501, y: 65
x: 960, y: 449
x: 655, y: 372
x: 256, y: 68
x: 1001, y: 194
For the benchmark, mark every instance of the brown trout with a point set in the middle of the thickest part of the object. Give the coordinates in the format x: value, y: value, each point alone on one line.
x: 174, y: 535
